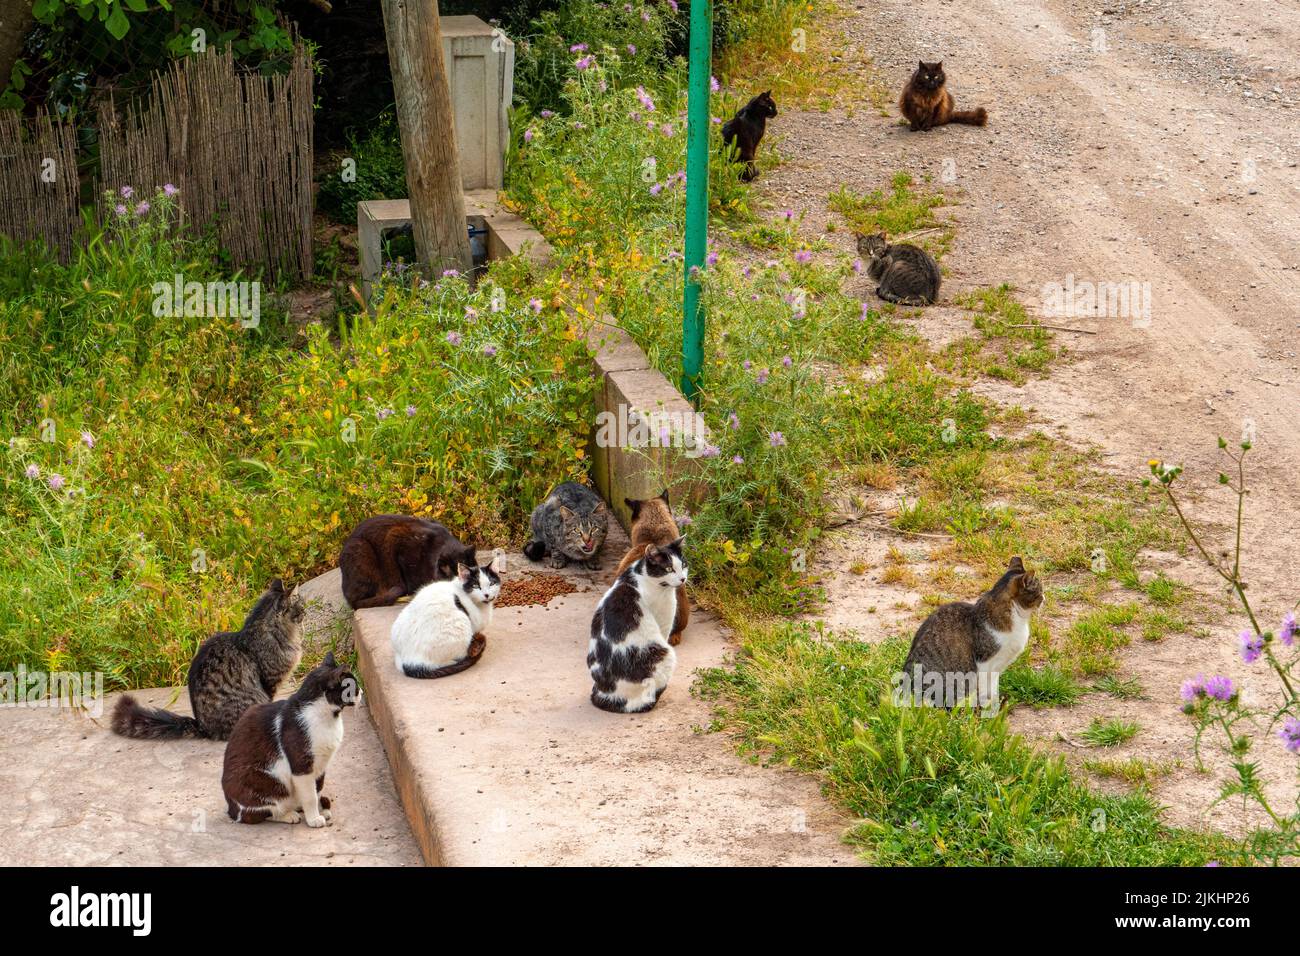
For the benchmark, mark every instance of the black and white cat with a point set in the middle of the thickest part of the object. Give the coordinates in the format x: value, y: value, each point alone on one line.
x: 274, y: 768
x: 629, y: 656
x: 441, y: 631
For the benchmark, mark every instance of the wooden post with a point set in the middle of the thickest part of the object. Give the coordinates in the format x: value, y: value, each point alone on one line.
x: 424, y: 116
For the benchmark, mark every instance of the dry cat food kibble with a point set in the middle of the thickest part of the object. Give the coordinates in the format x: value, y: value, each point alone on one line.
x: 533, y: 589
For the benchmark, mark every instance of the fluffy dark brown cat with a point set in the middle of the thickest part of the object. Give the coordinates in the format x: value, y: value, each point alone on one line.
x: 230, y: 673
x: 274, y: 768
x: 746, y: 130
x: 962, y: 649
x: 926, y: 102
x: 392, y: 556
x: 652, y: 523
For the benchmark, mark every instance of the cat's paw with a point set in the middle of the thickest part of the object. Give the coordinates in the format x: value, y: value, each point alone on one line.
x: 327, y: 813
x: 592, y: 564
x: 675, y: 639
x: 557, y: 560
x: 289, y: 816
x: 316, y: 821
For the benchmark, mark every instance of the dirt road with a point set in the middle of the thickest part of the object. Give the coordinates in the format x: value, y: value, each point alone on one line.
x: 1151, y: 142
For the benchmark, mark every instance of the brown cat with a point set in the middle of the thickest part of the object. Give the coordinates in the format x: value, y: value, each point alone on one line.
x: 652, y: 523
x: 962, y: 649
x: 926, y: 102
x: 392, y: 556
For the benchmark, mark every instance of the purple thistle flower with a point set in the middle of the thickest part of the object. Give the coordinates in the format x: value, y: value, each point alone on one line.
x: 489, y: 350
x: 683, y: 521
x: 410, y: 411
x: 127, y: 192
x: 141, y: 209
x: 866, y: 307
x: 733, y: 421
x: 631, y: 49
x: 1193, y: 688
x: 471, y: 314
x: 656, y: 189
x: 169, y: 189
x: 788, y: 214
x: 714, y: 85
x: 56, y: 481
x: 715, y: 120
x: 762, y: 376
x: 710, y: 451
x: 88, y: 440
x: 579, y: 125
x: 453, y: 338
x: 645, y: 15
x: 672, y: 4
x: 666, y: 129
x: 711, y: 259
x: 535, y: 305
x: 528, y: 135
x: 449, y: 273
x: 1290, y: 733
x: 737, y: 460
x: 547, y: 114
x: 747, y: 365
x: 1220, y: 688
x: 857, y: 266
x: 383, y: 413
x: 585, y: 62
x: 120, y: 209
x: 1287, y: 634
x: 646, y: 101
x: 786, y: 361
x: 803, y: 256
x: 1252, y: 646
x: 776, y: 439
x: 578, y: 48
x: 32, y: 472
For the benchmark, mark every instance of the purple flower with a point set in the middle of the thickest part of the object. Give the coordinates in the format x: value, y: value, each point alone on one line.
x: 1220, y: 688
x: 88, y: 439
x: 120, y: 209
x: 733, y: 421
x: 762, y: 376
x: 645, y: 15
x: 683, y: 521
x: 1287, y: 634
x: 410, y: 411
x: 547, y: 114
x: 631, y: 49
x: 578, y: 48
x: 528, y: 135
x: 656, y: 189
x: 585, y: 62
x: 1290, y: 733
x: 788, y: 214
x: 672, y: 4
x: 715, y: 120
x: 747, y: 365
x: 866, y: 308
x: 714, y: 85
x: 857, y: 266
x: 803, y: 256
x: 383, y: 413
x: 579, y: 125
x: 56, y: 481
x: 786, y: 361
x: 471, y: 314
x: 535, y: 305
x: 711, y: 259
x: 453, y: 338
x: 449, y: 273
x: 737, y: 460
x: 169, y: 190
x: 32, y: 472
x: 710, y: 451
x: 666, y: 129
x: 1193, y: 688
x: 776, y: 439
x: 127, y: 192
x: 141, y: 209
x: 1252, y: 646
x: 489, y: 350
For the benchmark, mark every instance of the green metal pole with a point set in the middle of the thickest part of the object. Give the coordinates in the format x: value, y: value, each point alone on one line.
x: 697, y: 194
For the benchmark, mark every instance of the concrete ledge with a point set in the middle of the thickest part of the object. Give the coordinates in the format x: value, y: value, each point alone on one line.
x: 508, y: 763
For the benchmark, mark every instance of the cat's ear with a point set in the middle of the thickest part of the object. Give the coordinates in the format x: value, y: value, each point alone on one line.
x: 600, y: 508
x: 1016, y: 565
x: 329, y: 659
x: 664, y: 495
x: 463, y: 571
x: 277, y: 586
x: 635, y: 507
x: 921, y: 64
x: 679, y: 544
x: 565, y: 513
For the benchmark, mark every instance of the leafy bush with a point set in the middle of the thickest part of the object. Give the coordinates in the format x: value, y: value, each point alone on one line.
x: 379, y: 167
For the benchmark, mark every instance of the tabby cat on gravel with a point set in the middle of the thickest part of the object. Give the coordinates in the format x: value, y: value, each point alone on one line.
x: 652, y: 523
x: 230, y: 673
x: 926, y: 102
x: 570, y: 524
x: 905, y: 274
x: 629, y: 656
x: 962, y: 649
x: 388, y: 557
x: 274, y: 767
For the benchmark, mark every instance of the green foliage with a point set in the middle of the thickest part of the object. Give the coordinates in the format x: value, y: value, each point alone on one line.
x: 379, y: 167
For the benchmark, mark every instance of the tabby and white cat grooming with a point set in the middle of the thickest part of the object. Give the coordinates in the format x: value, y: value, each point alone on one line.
x: 968, y: 646
x: 905, y: 274
x: 274, y: 767
x: 629, y: 656
x: 570, y: 524
x: 441, y: 631
x: 230, y: 673
x: 926, y: 102
x: 653, y: 523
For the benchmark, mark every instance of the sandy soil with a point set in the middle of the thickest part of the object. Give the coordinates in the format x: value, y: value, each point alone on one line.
x: 1163, y: 150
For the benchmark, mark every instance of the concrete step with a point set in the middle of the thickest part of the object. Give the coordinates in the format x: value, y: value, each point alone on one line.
x: 508, y: 763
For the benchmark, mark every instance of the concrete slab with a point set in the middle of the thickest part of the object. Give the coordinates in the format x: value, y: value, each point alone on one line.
x: 508, y: 763
x: 72, y: 793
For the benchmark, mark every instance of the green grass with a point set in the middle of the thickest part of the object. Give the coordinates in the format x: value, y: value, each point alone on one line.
x: 1045, y: 686
x: 927, y: 787
x: 1121, y: 688
x: 1109, y: 733
x: 1134, y: 770
x: 1008, y: 344
x: 900, y: 211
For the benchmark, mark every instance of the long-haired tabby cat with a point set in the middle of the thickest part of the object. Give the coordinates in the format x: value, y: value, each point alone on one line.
x: 652, y: 523
x: 629, y: 656
x: 274, y: 768
x: 441, y: 631
x: 746, y: 130
x: 230, y: 673
x: 904, y: 273
x: 926, y: 102
x: 963, y: 644
x: 391, y: 556
x: 570, y: 524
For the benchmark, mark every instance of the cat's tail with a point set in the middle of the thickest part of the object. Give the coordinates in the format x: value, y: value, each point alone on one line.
x: 476, y: 646
x: 535, y: 550
x: 130, y: 719
x: 976, y: 117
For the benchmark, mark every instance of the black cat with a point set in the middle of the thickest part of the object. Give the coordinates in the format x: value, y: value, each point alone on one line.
x: 746, y: 131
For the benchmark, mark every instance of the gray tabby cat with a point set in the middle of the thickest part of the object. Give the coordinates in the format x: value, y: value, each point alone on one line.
x: 906, y: 274
x: 231, y: 672
x: 570, y: 524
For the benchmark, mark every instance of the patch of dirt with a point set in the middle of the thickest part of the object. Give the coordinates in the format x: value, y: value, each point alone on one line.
x: 1152, y: 142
